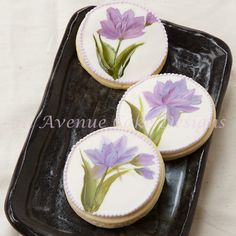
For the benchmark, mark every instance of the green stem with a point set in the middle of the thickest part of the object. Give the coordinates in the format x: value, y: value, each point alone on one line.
x: 160, y: 132
x: 112, y: 169
x: 141, y: 105
x: 116, y: 168
x: 154, y: 124
x: 98, y: 189
x: 100, y: 184
x: 117, y: 50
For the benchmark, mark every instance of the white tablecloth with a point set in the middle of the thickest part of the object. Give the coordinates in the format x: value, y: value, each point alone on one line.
x: 30, y: 33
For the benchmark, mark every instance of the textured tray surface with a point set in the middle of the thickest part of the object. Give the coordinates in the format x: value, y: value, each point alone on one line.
x: 36, y: 203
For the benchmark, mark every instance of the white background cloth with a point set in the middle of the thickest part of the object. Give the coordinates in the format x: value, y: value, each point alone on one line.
x: 30, y: 33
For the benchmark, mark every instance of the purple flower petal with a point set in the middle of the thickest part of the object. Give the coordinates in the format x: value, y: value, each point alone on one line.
x: 108, y: 30
x: 154, y: 112
x: 121, y: 142
x: 145, y: 172
x: 181, y: 85
x: 134, y: 28
x: 150, y: 19
x: 196, y: 99
x: 173, y: 96
x: 93, y: 155
x: 99, y: 170
x: 111, y: 154
x: 187, y: 109
x: 114, y: 15
x: 143, y: 159
x: 152, y: 100
x: 106, y: 149
x: 130, y: 151
x: 172, y: 116
x: 126, y: 156
x: 122, y: 151
x: 128, y: 15
x: 121, y: 26
x: 158, y: 89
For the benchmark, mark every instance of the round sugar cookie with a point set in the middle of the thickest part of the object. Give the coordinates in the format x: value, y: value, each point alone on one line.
x: 173, y: 110
x: 113, y: 177
x: 120, y: 43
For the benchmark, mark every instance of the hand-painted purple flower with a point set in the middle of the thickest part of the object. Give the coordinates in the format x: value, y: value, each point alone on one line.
x: 121, y: 26
x: 150, y: 19
x: 172, y: 98
x: 143, y: 159
x: 145, y: 172
x: 110, y: 154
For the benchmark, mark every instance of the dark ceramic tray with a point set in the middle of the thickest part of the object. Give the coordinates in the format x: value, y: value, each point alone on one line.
x: 36, y: 203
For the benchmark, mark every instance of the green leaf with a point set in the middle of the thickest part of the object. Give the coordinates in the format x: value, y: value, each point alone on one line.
x: 105, y: 187
x: 89, y: 187
x: 137, y: 118
x: 123, y: 60
x: 141, y: 104
x: 157, y: 132
x: 102, y: 62
x: 135, y: 161
x: 108, y: 52
x: 153, y: 132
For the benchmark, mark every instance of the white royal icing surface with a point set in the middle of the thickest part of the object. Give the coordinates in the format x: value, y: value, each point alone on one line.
x: 190, y: 128
x: 146, y: 59
x: 130, y: 191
